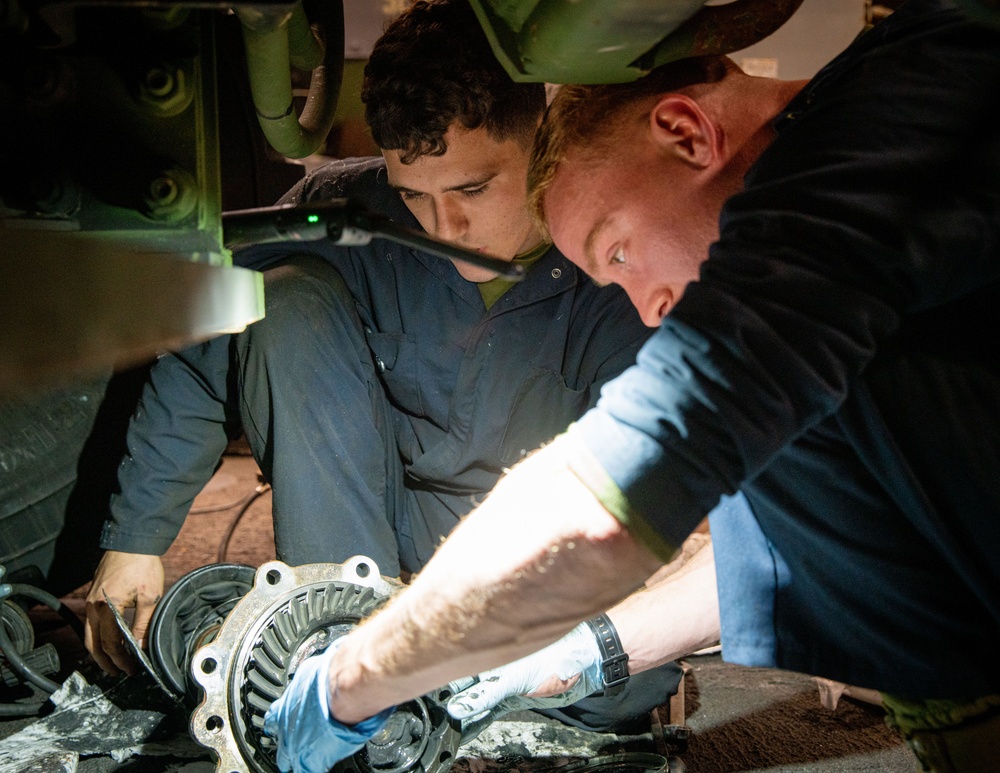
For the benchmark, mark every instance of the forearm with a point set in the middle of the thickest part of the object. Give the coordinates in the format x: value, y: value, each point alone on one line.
x: 537, y: 557
x: 673, y: 617
x: 174, y: 442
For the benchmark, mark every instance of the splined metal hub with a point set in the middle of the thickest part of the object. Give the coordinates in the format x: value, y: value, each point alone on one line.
x: 290, y: 614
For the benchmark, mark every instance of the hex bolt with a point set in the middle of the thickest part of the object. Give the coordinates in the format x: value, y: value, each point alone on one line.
x: 171, y: 196
x: 165, y: 88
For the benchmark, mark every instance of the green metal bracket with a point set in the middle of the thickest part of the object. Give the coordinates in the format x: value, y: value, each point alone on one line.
x: 606, y: 41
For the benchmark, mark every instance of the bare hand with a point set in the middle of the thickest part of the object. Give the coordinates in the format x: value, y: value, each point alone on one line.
x: 131, y: 580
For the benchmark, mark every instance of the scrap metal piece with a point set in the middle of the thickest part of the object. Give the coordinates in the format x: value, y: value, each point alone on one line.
x: 123, y: 626
x: 85, y: 722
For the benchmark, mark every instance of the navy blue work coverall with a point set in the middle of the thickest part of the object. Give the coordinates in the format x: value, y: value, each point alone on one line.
x: 380, y: 397
x: 838, y: 362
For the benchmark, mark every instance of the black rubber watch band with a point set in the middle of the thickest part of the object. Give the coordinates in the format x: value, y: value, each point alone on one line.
x: 614, y: 660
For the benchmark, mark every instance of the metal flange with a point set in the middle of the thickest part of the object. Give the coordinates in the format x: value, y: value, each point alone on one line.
x: 290, y: 614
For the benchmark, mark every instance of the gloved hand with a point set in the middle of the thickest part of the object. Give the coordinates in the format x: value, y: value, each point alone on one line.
x: 505, y: 689
x: 309, y: 739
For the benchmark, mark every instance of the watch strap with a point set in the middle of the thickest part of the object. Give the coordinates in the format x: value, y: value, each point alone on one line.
x: 614, y: 659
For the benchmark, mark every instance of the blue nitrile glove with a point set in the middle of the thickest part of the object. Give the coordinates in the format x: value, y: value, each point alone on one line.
x: 503, y: 690
x: 309, y: 739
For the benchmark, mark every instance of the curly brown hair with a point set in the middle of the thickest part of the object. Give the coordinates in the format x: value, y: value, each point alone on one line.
x: 434, y: 66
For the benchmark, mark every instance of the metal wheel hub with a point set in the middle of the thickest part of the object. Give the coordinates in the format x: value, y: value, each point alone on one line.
x: 290, y: 614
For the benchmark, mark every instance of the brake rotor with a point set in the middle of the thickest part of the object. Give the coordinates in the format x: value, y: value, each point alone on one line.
x: 290, y: 614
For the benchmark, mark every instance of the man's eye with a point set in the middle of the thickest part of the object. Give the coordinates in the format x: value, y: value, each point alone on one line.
x: 618, y: 256
x: 472, y: 192
x: 410, y: 195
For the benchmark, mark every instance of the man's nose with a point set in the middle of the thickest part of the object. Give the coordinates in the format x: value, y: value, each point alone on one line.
x: 451, y: 221
x: 650, y: 306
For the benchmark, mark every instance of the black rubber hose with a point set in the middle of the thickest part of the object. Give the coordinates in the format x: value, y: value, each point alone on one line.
x: 20, y: 709
x: 22, y: 669
x: 44, y: 597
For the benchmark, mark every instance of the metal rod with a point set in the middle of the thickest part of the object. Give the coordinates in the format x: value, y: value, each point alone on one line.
x: 421, y: 241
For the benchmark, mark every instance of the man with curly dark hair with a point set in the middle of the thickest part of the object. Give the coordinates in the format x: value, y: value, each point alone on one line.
x: 386, y: 390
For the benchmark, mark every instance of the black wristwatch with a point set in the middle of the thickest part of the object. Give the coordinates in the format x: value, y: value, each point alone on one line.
x: 614, y: 663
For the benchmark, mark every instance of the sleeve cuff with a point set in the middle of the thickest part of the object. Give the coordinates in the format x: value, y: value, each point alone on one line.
x: 113, y: 538
x: 591, y: 473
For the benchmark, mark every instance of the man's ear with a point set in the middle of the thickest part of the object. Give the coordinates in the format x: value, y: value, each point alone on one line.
x: 681, y: 128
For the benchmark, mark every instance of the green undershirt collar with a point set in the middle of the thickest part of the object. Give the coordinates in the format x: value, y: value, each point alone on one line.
x: 493, y: 289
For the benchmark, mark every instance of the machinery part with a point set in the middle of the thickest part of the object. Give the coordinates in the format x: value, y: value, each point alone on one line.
x: 21, y: 667
x: 110, y: 190
x: 111, y: 305
x: 189, y: 616
x: 20, y: 634
x: 551, y: 41
x: 44, y: 660
x: 137, y: 651
x: 290, y: 614
x: 44, y: 597
x: 278, y: 38
x: 629, y: 762
x: 17, y: 625
x: 17, y: 636
x: 418, y: 737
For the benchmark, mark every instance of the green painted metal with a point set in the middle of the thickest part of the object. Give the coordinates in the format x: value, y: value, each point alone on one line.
x: 611, y: 41
x: 277, y: 39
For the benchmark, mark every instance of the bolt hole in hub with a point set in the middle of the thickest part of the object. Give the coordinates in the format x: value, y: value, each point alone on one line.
x: 289, y: 615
